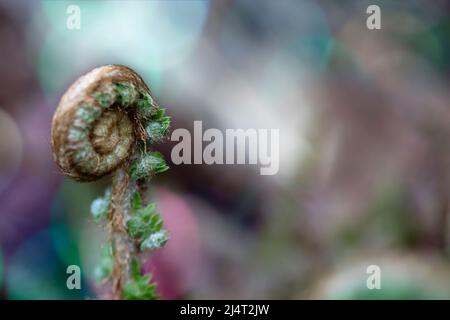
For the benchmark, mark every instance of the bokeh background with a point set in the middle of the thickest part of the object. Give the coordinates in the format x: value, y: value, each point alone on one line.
x: 364, y: 119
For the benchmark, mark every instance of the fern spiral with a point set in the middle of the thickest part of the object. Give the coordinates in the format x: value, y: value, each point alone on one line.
x: 104, y: 124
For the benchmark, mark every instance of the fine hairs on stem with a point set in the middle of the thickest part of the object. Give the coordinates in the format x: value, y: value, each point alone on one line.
x: 105, y: 124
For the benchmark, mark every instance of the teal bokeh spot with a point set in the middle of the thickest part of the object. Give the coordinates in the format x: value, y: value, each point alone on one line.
x: 68, y: 215
x: 36, y: 272
x: 148, y: 36
x: 249, y: 30
x: 313, y: 51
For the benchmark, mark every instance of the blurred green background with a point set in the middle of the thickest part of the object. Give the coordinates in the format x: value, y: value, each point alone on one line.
x: 364, y: 119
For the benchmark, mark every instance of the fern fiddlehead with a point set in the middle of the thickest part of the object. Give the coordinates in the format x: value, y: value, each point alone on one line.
x: 105, y: 123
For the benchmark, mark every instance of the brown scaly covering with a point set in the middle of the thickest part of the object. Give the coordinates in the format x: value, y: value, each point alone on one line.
x: 96, y: 122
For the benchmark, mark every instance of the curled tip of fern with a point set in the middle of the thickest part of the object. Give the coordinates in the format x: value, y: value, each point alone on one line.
x: 158, y: 126
x: 155, y: 241
x: 148, y: 165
